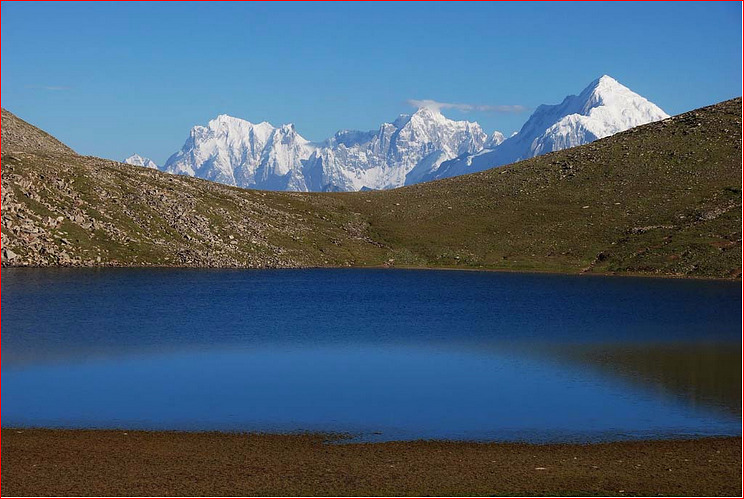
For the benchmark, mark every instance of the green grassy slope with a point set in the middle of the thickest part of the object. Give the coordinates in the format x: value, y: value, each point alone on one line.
x: 662, y: 199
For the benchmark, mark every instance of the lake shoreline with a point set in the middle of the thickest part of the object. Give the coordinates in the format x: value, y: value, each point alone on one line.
x: 386, y: 267
x: 47, y: 462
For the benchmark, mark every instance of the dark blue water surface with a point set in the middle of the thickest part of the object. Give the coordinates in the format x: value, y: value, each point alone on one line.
x: 382, y: 354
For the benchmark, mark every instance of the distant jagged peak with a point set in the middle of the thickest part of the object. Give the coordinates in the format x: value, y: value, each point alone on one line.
x: 235, y: 130
x: 226, y: 119
x: 288, y: 128
x: 226, y: 124
x: 433, y: 114
x: 494, y: 139
x: 426, y: 114
x: 137, y: 160
x: 236, y: 151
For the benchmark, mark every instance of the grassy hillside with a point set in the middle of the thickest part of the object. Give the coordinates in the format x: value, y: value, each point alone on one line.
x: 662, y: 199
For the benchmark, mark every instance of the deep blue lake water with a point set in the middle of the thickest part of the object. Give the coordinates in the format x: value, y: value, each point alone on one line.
x: 382, y: 354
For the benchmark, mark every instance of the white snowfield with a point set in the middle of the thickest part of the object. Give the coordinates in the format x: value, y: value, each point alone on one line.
x: 414, y: 148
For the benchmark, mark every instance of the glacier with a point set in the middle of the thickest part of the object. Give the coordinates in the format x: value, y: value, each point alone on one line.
x: 413, y: 148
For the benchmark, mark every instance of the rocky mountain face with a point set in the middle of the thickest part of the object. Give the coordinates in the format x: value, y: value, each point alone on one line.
x: 413, y: 148
x: 137, y: 160
x: 602, y: 109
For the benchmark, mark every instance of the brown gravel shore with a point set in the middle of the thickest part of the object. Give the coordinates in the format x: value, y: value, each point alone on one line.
x: 124, y: 463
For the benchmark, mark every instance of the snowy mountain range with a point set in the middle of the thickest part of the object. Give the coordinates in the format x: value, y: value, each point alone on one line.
x: 414, y: 148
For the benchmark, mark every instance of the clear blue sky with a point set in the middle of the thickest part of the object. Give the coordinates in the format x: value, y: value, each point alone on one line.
x: 111, y: 79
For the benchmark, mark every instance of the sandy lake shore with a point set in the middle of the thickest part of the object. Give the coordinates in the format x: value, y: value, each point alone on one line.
x: 42, y: 462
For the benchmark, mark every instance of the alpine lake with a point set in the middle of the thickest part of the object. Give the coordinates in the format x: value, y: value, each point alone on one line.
x: 376, y: 354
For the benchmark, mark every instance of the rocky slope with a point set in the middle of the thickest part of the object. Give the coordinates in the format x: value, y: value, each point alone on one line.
x: 661, y: 199
x: 17, y: 135
x: 85, y: 211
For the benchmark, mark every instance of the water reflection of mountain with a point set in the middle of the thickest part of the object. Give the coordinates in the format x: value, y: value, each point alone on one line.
x: 701, y: 375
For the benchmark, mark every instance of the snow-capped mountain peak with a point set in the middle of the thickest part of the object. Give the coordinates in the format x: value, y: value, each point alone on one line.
x: 236, y: 127
x: 426, y: 114
x: 605, y: 107
x: 607, y: 90
x: 237, y: 152
x: 137, y: 160
x: 606, y: 87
